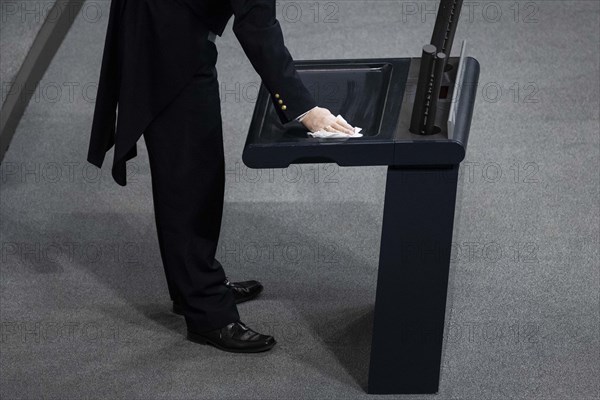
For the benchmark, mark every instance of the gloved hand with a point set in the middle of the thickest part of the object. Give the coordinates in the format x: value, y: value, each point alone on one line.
x: 321, y: 118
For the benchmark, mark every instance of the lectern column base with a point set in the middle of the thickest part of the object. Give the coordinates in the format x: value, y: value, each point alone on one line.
x: 412, y: 281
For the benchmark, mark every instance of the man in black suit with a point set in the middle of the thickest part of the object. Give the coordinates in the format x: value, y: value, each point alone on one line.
x: 158, y: 67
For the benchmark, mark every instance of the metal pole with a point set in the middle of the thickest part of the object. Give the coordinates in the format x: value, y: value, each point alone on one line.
x: 418, y: 118
x: 438, y: 72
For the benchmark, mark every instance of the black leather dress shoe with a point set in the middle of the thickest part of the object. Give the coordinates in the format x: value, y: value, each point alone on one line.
x: 235, y: 337
x: 242, y: 291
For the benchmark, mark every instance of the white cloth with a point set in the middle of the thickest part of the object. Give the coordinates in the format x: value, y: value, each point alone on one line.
x: 323, y: 134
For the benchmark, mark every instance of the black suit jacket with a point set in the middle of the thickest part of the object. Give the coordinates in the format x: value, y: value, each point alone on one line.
x: 151, y: 52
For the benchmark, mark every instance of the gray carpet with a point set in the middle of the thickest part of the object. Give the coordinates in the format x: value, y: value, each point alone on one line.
x: 19, y: 24
x: 84, y: 307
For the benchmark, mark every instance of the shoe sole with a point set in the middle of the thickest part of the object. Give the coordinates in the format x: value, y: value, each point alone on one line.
x: 177, y: 309
x: 196, y: 338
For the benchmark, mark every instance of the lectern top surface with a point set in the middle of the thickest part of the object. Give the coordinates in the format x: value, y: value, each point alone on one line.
x: 374, y: 94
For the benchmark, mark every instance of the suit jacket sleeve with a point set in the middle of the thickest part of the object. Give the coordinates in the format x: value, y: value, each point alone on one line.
x: 259, y: 33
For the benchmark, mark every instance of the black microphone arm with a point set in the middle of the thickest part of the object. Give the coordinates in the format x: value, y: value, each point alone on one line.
x: 433, y: 64
x: 445, y: 25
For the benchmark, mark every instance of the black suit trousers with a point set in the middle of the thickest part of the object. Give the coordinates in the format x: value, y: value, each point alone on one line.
x: 185, y: 148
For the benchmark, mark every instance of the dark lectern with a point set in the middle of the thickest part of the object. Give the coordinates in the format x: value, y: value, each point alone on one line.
x: 415, y: 114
